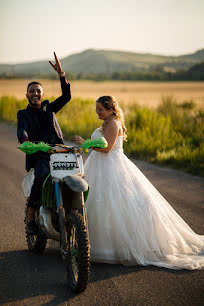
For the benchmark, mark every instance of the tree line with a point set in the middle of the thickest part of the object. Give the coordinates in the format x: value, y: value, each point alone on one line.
x: 195, y: 73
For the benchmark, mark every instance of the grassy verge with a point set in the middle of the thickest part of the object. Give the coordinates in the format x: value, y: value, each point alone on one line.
x: 172, y: 134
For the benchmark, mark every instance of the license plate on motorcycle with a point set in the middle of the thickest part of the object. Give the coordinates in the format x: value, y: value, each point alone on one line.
x: 62, y: 165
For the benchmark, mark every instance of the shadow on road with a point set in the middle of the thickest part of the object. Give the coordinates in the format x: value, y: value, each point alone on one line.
x: 26, y: 276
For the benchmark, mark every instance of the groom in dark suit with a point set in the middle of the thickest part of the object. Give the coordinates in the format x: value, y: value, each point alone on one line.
x: 38, y: 122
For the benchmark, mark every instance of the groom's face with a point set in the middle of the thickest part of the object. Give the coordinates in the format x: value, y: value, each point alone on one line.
x: 102, y: 112
x: 35, y: 95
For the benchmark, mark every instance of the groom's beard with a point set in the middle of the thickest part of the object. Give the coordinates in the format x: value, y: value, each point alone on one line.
x: 36, y: 103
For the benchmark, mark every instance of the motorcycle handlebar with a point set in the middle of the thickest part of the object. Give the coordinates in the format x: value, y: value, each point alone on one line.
x: 32, y: 147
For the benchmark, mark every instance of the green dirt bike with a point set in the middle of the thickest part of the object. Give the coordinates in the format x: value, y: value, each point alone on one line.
x: 62, y: 214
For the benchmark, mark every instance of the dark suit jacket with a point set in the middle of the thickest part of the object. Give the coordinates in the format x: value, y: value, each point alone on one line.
x: 41, y: 124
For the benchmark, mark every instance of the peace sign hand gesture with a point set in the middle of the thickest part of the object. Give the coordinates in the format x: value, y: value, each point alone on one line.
x: 57, y: 66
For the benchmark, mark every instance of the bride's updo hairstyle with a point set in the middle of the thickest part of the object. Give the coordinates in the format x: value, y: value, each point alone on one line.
x: 109, y: 102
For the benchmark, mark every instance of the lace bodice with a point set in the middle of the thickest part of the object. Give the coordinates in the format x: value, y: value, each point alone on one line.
x: 118, y: 144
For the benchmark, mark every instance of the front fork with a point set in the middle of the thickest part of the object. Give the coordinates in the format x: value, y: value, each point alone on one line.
x: 61, y: 215
x: 58, y: 193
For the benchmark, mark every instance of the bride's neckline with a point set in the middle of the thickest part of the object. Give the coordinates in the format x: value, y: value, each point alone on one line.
x: 102, y: 133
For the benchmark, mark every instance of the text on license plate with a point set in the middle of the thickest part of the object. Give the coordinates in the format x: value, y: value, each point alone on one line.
x: 64, y: 165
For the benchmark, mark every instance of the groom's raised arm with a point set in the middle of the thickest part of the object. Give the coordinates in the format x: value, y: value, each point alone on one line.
x: 65, y: 86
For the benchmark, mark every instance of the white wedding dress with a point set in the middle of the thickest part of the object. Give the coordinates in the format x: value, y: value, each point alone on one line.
x: 128, y: 219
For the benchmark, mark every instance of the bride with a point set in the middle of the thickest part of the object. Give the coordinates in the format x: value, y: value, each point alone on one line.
x: 129, y: 220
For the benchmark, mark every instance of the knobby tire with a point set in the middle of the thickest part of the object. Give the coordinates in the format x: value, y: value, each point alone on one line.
x: 82, y: 259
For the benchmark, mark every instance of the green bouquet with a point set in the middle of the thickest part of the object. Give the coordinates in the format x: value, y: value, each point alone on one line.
x: 98, y: 143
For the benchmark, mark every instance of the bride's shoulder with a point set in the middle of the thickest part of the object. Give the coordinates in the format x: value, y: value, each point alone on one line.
x: 115, y: 124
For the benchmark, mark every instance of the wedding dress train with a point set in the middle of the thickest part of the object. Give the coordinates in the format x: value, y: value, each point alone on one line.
x: 129, y: 221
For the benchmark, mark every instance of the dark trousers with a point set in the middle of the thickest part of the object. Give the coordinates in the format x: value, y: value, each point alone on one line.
x: 41, y: 170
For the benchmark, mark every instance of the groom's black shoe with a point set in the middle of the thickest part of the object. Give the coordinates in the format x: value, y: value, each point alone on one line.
x: 32, y: 228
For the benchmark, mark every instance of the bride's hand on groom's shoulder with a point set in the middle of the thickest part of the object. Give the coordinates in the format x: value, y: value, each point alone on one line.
x: 78, y: 139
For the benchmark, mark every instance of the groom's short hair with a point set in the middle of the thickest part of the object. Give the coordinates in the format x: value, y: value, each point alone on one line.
x: 33, y: 83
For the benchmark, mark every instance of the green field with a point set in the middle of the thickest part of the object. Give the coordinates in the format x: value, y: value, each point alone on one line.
x: 171, y: 134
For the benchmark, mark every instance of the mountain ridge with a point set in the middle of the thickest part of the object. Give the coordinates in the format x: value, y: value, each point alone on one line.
x: 106, y: 61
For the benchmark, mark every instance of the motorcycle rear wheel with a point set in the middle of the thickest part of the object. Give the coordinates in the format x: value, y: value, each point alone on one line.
x: 78, y: 260
x: 36, y: 243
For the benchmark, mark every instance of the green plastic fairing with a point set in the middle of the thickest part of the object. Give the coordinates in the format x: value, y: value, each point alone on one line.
x: 30, y: 148
x: 98, y: 143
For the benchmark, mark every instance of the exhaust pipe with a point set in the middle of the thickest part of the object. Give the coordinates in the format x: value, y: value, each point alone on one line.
x: 45, y: 220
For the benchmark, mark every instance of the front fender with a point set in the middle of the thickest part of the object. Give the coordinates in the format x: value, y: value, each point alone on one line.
x: 76, y: 183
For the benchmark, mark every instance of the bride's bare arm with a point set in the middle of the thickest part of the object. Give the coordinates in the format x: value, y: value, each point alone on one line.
x: 78, y: 139
x: 111, y: 133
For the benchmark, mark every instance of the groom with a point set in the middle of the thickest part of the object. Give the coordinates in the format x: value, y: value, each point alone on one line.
x: 36, y: 123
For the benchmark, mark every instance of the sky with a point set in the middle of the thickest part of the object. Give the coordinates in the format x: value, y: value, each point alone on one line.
x: 31, y: 30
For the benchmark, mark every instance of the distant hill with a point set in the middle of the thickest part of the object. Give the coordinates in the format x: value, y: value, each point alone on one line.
x: 108, y: 62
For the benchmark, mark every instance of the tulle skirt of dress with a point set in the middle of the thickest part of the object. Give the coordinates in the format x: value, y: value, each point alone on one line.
x: 130, y: 222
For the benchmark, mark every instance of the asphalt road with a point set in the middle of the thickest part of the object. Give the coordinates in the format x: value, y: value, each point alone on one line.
x: 28, y: 279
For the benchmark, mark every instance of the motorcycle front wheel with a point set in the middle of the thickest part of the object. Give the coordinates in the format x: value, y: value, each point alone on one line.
x: 78, y: 259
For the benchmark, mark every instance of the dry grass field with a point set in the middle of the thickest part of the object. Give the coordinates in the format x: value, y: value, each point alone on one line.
x: 143, y: 93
